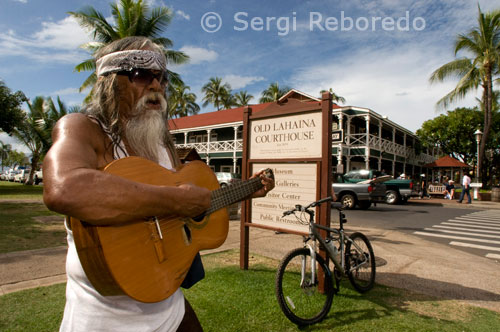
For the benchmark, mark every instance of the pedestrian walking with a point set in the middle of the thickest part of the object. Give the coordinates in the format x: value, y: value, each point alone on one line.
x: 465, y: 188
x: 423, y: 187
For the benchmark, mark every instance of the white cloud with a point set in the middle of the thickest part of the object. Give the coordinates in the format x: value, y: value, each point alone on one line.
x: 183, y: 15
x: 55, y: 42
x: 21, y: 1
x: 392, y: 82
x: 66, y: 91
x: 238, y: 82
x: 16, y: 145
x: 199, y: 55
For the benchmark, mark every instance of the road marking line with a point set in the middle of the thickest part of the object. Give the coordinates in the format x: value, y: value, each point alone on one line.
x: 458, y: 238
x: 484, y: 217
x: 494, y: 215
x: 495, y: 256
x: 475, y: 246
x: 462, y: 233
x: 467, y: 229
x: 479, y: 219
x: 475, y: 222
x: 473, y: 226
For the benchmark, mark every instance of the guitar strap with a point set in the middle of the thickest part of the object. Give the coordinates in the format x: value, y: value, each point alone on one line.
x: 196, y: 271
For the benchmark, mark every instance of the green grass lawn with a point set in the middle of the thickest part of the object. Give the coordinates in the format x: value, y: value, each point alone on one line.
x: 230, y: 299
x: 13, y: 190
x: 25, y: 222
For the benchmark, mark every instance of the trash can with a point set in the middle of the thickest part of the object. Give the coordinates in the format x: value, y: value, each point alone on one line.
x: 495, y: 194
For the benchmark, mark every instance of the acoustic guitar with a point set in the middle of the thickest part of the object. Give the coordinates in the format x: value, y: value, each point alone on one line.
x: 149, y: 259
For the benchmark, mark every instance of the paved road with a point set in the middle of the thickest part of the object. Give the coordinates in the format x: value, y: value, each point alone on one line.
x: 472, y: 230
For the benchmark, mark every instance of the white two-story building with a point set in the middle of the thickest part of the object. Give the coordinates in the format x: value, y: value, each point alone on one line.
x: 361, y: 139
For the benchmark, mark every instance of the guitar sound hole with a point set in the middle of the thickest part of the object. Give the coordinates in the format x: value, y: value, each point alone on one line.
x: 187, y: 231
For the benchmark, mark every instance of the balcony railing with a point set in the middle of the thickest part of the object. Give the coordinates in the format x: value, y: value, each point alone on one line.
x: 355, y: 140
x: 217, y: 146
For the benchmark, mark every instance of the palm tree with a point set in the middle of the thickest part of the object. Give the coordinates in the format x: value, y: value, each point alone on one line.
x: 215, y: 92
x: 181, y: 102
x: 132, y: 18
x: 273, y: 93
x: 336, y: 98
x: 48, y: 114
x: 28, y: 135
x: 243, y: 98
x: 483, y: 43
x: 228, y: 100
x: 35, y: 131
x: 5, y: 150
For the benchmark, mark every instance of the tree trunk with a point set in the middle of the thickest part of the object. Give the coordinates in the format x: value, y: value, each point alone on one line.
x: 488, y: 104
x: 34, y: 165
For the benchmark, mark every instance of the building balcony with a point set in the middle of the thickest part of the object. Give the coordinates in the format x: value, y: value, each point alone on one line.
x: 215, y: 147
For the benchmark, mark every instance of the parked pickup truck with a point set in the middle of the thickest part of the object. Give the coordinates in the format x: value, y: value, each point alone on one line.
x: 397, y: 190
x: 358, y: 194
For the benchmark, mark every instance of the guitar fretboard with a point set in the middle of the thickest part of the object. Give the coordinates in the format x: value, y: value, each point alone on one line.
x: 233, y: 193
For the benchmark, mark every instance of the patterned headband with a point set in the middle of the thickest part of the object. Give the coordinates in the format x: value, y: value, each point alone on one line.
x: 128, y: 60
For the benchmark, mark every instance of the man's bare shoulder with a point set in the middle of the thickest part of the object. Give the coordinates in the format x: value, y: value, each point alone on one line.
x: 77, y: 128
x: 77, y: 125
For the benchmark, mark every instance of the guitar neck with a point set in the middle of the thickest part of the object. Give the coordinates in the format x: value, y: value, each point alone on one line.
x: 233, y: 193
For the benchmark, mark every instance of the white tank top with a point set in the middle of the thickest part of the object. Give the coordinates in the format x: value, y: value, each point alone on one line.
x: 86, y: 310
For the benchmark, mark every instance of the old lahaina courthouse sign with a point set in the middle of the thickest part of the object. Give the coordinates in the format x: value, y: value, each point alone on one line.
x: 286, y: 137
x: 293, y: 138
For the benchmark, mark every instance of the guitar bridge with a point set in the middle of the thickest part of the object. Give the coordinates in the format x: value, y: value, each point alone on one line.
x: 157, y: 236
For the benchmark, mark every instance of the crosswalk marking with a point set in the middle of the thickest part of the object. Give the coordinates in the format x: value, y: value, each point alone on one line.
x: 476, y: 246
x: 494, y: 256
x: 458, y: 237
x: 466, y: 229
x: 463, y: 224
x: 463, y: 233
x: 477, y: 230
x: 478, y: 220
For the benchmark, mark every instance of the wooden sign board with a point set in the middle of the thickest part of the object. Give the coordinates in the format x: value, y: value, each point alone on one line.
x: 295, y: 184
x: 287, y: 137
x: 294, y: 138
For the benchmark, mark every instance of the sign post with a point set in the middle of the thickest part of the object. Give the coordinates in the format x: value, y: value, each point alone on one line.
x: 293, y: 138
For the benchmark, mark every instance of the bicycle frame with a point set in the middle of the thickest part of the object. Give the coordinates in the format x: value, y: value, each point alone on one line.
x: 314, y: 234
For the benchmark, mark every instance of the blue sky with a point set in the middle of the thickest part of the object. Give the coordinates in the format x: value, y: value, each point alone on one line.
x: 376, y: 54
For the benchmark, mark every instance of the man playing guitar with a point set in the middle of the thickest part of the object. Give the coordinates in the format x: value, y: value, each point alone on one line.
x: 126, y: 117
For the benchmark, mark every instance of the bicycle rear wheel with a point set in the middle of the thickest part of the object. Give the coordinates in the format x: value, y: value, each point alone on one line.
x: 299, y: 298
x: 360, y: 263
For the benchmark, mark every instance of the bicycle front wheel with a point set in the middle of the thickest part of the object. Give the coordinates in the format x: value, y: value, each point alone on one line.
x: 360, y: 262
x: 301, y: 298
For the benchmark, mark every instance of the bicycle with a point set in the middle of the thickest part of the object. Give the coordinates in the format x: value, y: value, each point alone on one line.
x: 302, y: 297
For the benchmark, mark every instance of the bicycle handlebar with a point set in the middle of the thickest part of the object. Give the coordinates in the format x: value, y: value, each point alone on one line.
x: 301, y: 208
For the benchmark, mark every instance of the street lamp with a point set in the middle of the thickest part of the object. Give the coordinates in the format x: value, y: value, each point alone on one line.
x: 479, y: 135
x: 477, y: 185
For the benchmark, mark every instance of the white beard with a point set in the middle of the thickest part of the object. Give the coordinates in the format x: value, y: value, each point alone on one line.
x: 146, y: 129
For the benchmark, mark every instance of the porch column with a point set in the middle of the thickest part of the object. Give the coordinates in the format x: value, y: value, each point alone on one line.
x: 367, y: 145
x: 394, y: 151
x: 235, y: 143
x: 185, y: 138
x: 208, y: 146
x: 340, y: 152
x: 405, y: 152
x: 380, y: 136
x: 348, y: 130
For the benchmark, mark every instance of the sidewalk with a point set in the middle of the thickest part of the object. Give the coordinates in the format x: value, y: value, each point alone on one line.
x: 403, y: 261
